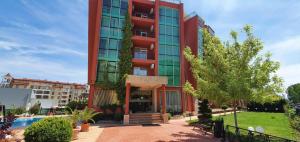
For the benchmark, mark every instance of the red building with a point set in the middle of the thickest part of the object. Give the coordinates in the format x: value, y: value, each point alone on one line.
x: 160, y: 33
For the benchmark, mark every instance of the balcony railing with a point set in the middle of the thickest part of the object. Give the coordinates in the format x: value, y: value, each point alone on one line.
x: 143, y: 15
x: 143, y: 33
x: 172, y: 1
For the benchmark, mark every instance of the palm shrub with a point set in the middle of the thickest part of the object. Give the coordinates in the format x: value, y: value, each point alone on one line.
x: 74, y: 116
x: 53, y: 129
x: 87, y: 114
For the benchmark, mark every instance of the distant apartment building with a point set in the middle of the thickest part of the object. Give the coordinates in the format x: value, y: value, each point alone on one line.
x: 48, y: 93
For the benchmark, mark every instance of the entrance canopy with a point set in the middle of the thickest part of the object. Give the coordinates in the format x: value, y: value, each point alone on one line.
x: 146, y: 82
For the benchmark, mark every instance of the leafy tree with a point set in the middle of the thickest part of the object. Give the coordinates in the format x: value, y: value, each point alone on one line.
x: 125, y: 58
x: 230, y: 72
x: 293, y: 92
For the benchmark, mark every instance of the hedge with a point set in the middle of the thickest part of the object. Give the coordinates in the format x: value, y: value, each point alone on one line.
x: 54, y: 129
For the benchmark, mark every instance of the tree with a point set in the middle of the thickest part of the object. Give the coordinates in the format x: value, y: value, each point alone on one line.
x: 230, y: 72
x: 293, y: 92
x: 204, y: 110
x: 125, y: 58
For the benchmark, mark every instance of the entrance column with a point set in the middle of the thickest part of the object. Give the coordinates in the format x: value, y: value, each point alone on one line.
x: 163, y: 100
x: 163, y: 111
x: 126, y: 116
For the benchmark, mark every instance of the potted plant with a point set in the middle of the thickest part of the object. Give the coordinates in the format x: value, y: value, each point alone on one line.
x: 85, y: 116
x: 74, y: 118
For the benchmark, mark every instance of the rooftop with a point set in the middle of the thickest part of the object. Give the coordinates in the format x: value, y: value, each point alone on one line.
x: 46, y: 81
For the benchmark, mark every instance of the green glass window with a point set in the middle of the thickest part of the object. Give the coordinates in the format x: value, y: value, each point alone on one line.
x: 175, y: 31
x: 115, y: 11
x: 168, y: 12
x: 124, y: 4
x: 111, y: 66
x: 112, y: 77
x: 168, y: 30
x: 169, y: 20
x: 106, y: 10
x: 169, y: 59
x: 162, y: 29
x: 121, y: 23
x: 116, y: 3
x: 107, y: 3
x: 112, y: 54
x: 105, y: 21
x: 162, y: 11
x: 175, y: 13
x: 103, y: 43
x: 113, y: 44
x: 174, y: 21
x: 104, y: 31
x: 114, y: 32
x: 112, y: 22
x: 102, y: 66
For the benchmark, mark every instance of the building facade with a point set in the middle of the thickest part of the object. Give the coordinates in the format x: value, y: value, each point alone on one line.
x: 49, y: 93
x: 160, y: 32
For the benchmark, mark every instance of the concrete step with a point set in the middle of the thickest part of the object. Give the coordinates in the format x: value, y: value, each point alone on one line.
x: 145, y: 118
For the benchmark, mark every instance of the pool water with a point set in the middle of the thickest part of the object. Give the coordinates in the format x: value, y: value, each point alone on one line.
x: 24, y: 122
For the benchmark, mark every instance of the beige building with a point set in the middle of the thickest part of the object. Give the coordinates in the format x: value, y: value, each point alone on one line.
x: 50, y: 93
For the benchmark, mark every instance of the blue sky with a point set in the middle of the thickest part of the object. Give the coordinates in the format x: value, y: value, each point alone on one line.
x: 48, y: 39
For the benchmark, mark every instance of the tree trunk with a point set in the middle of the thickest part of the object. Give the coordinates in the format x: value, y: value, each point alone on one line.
x: 235, y: 117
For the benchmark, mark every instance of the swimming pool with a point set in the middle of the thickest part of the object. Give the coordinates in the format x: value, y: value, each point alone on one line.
x: 24, y: 122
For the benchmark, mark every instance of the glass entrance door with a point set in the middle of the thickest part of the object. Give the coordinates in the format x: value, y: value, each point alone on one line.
x: 141, y: 101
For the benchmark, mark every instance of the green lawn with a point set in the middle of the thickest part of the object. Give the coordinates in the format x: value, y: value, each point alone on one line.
x: 276, y: 124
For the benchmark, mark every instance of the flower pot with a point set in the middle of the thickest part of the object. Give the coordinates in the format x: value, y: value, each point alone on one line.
x: 75, y: 134
x: 85, y: 127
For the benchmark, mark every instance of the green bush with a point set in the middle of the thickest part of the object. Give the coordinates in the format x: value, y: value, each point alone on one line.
x: 295, y: 123
x: 79, y: 105
x: 20, y: 110
x: 118, y: 116
x: 169, y: 116
x: 54, y: 129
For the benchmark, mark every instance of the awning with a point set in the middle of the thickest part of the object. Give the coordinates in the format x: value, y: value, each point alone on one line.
x: 146, y: 82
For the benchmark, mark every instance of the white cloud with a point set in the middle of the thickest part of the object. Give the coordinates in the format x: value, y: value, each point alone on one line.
x: 47, y: 41
x: 290, y: 74
x: 287, y: 53
x: 41, y: 69
x: 24, y: 49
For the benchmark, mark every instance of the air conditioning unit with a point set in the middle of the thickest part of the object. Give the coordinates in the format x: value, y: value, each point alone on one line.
x: 152, y: 66
x: 151, y: 11
x: 151, y: 28
x: 152, y: 46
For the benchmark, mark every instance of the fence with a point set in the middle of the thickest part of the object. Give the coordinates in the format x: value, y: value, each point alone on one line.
x: 235, y: 134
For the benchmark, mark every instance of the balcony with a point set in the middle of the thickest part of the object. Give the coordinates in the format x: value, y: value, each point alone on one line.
x: 143, y: 37
x: 172, y: 1
x: 143, y: 54
x: 144, y: 15
x: 142, y: 22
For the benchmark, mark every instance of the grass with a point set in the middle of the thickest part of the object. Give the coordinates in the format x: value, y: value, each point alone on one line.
x: 276, y: 124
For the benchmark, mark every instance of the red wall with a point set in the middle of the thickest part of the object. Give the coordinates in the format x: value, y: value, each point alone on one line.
x: 95, y: 12
x: 191, y: 40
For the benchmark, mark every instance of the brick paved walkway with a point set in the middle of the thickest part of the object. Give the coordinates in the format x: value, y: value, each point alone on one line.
x: 175, y: 131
